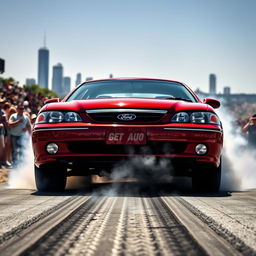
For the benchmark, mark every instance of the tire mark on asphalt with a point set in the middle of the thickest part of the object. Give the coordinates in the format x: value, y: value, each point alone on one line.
x: 172, y: 234
x: 236, y: 242
x: 134, y: 224
x: 118, y: 226
x: 64, y: 236
x: 132, y: 236
x: 16, y: 230
x: 96, y: 233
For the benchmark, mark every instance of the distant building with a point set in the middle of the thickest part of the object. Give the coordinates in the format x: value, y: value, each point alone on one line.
x: 43, y: 67
x: 66, y: 85
x: 235, y: 98
x: 110, y: 75
x: 238, y: 98
x: 212, y: 84
x: 78, y: 78
x: 89, y: 78
x: 227, y: 91
x: 30, y: 81
x: 57, y: 80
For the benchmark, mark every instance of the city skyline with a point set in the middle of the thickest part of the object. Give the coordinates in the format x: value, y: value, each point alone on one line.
x: 181, y: 40
x: 61, y: 84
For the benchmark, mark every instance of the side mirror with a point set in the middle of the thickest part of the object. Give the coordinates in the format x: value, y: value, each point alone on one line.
x: 51, y: 100
x: 212, y: 102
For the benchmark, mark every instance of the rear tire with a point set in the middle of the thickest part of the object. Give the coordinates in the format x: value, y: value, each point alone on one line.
x: 50, y: 177
x: 206, y: 178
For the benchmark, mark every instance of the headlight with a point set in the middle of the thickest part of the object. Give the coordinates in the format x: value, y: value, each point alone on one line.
x: 181, y: 117
x: 196, y: 118
x: 72, y: 117
x: 57, y: 117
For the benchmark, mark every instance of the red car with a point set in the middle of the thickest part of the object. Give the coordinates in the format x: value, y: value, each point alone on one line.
x: 103, y: 122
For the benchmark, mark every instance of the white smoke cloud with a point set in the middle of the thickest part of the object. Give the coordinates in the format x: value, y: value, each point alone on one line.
x: 239, y: 161
x: 22, y: 177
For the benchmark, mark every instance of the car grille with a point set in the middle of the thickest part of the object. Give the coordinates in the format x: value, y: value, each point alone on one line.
x: 113, y: 115
x: 152, y: 148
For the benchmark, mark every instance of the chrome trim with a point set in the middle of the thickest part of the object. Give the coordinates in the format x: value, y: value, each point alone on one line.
x: 60, y: 129
x: 125, y: 110
x: 192, y: 129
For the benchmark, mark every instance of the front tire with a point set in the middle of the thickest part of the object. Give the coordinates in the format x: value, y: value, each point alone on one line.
x: 206, y: 178
x: 50, y: 178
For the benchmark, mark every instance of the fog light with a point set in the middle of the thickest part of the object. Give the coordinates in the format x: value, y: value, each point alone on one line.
x: 52, y: 148
x: 201, y: 149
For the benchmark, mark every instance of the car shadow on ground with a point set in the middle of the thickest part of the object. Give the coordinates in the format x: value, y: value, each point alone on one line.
x: 133, y: 188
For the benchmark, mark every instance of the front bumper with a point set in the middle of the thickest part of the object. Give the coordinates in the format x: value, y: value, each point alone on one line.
x: 86, y: 145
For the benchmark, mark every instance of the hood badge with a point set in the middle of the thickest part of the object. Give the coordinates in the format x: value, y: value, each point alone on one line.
x: 126, y: 117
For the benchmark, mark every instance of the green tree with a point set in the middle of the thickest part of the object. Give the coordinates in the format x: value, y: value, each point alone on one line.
x: 7, y: 80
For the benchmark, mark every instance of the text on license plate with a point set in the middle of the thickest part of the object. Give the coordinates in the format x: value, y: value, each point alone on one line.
x: 126, y: 136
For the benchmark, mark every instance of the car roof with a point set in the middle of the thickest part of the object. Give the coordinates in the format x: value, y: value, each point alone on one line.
x: 132, y: 78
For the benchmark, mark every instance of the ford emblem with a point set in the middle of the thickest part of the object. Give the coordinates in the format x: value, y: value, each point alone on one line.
x: 126, y: 117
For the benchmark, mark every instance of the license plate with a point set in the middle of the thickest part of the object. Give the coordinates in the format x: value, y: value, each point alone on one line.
x: 127, y: 136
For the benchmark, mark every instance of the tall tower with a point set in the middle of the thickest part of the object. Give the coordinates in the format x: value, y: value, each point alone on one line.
x: 43, y: 66
x: 212, y: 87
x: 78, y: 78
x: 57, y: 79
x: 66, y: 85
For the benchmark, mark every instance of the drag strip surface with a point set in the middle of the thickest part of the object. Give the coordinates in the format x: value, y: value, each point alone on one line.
x: 125, y: 220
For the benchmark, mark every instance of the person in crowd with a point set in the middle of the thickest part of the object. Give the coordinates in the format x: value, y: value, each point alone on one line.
x: 7, y: 153
x: 26, y: 107
x: 2, y: 133
x: 19, y: 124
x: 250, y: 130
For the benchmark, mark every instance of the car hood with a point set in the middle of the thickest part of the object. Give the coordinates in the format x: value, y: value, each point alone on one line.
x: 127, y: 103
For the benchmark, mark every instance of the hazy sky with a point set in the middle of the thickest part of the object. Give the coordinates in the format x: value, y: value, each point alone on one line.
x: 185, y: 40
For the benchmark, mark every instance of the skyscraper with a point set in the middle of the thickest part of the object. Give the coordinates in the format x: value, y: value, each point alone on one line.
x: 227, y: 91
x: 66, y: 84
x: 212, y: 87
x: 78, y: 78
x: 43, y: 67
x: 57, y: 80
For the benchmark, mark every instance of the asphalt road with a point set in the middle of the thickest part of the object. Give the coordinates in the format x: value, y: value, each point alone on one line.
x: 127, y: 218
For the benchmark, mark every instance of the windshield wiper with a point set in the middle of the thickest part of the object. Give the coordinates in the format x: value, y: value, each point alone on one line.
x: 177, y: 98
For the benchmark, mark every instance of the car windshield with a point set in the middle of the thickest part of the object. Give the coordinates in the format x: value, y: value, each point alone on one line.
x: 132, y: 88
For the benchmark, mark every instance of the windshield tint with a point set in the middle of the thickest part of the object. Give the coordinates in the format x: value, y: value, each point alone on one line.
x: 132, y: 88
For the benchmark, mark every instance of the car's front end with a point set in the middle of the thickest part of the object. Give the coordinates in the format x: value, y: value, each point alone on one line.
x: 89, y: 135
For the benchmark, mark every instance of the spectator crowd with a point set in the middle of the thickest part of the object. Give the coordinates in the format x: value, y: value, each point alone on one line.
x: 18, y: 109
